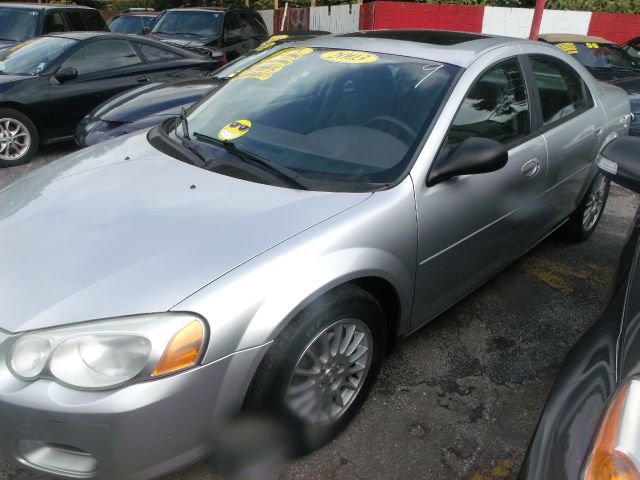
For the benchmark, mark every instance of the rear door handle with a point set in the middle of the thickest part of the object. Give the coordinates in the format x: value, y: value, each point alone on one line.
x: 143, y: 80
x: 531, y: 168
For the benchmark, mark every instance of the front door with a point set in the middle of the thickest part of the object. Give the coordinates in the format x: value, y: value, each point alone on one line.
x: 471, y: 226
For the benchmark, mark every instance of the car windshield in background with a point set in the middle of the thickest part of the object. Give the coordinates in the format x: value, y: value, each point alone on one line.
x: 18, y: 25
x: 199, y: 23
x: 131, y: 24
x: 598, y: 55
x: 344, y: 117
x: 33, y: 56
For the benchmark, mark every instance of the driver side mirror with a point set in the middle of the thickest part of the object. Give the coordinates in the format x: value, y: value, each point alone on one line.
x: 620, y: 161
x: 65, y: 74
x: 474, y: 155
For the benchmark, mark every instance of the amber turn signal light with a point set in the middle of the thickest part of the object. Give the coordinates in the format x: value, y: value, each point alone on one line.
x: 183, y: 350
x: 607, y: 462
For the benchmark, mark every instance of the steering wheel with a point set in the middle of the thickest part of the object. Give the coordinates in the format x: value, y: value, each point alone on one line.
x: 410, y: 132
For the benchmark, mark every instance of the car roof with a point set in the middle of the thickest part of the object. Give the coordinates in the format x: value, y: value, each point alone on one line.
x: 44, y: 6
x: 569, y: 37
x: 211, y: 9
x: 455, y: 48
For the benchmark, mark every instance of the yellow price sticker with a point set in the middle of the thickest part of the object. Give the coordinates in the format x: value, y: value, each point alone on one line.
x: 234, y: 130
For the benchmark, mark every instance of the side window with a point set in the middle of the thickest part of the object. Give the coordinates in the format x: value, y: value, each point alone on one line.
x: 246, y: 27
x: 231, y: 25
x: 93, y: 20
x: 152, y: 53
x: 75, y: 21
x: 258, y: 26
x: 562, y: 90
x: 54, y: 22
x: 103, y: 55
x: 496, y: 107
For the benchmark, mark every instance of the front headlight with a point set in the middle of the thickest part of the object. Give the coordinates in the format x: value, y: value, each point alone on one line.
x: 106, y: 354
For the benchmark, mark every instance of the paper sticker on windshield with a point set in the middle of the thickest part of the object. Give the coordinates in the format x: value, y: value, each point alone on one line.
x: 593, y: 45
x: 349, y: 56
x: 264, y: 46
x: 234, y: 130
x: 265, y: 68
x: 569, y: 48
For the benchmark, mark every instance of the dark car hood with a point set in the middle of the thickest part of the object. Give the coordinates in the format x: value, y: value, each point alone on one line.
x: 120, y: 229
x: 7, y: 80
x: 183, y: 40
x: 153, y: 99
x: 631, y: 84
x: 615, y: 76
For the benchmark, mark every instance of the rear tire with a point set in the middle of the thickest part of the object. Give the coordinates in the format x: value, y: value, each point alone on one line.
x: 19, y: 138
x: 308, y: 381
x: 585, y: 219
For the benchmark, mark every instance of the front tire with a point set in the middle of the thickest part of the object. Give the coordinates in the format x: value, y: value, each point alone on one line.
x: 321, y: 368
x: 18, y: 138
x: 585, y: 219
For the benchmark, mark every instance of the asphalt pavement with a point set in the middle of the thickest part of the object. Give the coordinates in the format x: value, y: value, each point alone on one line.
x: 461, y: 397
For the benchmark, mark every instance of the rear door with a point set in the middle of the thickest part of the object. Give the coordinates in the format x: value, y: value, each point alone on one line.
x: 105, y: 67
x: 471, y: 226
x: 235, y: 41
x: 572, y: 127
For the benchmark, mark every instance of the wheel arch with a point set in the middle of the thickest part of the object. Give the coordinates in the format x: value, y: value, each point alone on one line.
x: 20, y: 107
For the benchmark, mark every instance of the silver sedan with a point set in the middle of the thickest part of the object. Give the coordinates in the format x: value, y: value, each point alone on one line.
x: 263, y: 252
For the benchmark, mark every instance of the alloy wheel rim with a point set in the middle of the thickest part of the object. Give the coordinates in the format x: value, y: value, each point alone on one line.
x: 595, y: 203
x: 15, y: 139
x: 330, y: 372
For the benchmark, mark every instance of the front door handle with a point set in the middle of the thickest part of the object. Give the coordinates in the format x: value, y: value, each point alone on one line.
x: 598, y: 129
x: 531, y: 168
x: 143, y: 80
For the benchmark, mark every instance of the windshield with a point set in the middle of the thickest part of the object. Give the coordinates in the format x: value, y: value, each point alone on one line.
x: 198, y: 23
x: 130, y: 24
x: 231, y: 69
x: 598, y: 55
x: 18, y: 24
x: 345, y: 117
x: 33, y: 56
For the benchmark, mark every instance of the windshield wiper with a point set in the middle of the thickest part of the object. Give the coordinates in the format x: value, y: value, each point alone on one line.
x: 245, y: 155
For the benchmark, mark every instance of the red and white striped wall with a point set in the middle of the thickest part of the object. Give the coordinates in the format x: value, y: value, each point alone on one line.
x: 515, y: 22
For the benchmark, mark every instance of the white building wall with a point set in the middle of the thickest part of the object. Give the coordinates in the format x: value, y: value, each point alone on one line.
x: 516, y: 22
x: 335, y: 19
x: 267, y: 16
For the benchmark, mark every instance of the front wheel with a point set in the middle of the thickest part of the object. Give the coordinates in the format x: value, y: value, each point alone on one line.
x: 321, y: 368
x: 584, y: 220
x: 18, y: 138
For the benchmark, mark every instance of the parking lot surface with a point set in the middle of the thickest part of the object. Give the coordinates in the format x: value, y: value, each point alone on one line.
x: 461, y: 397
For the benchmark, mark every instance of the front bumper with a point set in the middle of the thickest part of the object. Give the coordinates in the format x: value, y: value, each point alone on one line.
x: 136, y: 432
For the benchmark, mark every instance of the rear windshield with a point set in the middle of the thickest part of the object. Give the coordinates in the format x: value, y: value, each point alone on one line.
x: 127, y: 24
x: 18, y: 24
x: 598, y: 55
x: 195, y: 23
x: 346, y: 117
x: 33, y: 56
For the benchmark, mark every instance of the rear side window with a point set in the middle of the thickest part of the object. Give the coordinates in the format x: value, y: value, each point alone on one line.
x: 94, y: 21
x: 103, y: 55
x: 54, y: 22
x: 75, y: 21
x: 258, y: 26
x: 496, y: 107
x: 152, y: 53
x: 562, y: 90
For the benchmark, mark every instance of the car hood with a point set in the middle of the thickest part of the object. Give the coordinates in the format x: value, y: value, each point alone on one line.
x: 183, y: 40
x: 120, y: 229
x: 630, y: 84
x: 154, y: 99
x: 7, y: 81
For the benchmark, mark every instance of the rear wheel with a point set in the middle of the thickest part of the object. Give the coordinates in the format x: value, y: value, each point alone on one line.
x: 584, y: 220
x: 321, y: 368
x: 18, y: 138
